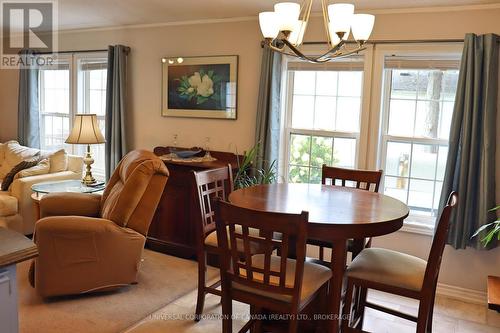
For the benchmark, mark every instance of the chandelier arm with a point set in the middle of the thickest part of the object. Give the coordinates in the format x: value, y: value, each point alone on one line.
x: 348, y: 53
x: 317, y: 59
x: 326, y: 21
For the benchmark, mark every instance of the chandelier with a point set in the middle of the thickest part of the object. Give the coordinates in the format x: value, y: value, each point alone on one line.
x: 284, y: 29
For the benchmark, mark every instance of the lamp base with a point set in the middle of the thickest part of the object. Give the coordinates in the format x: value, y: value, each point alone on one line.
x: 88, y: 179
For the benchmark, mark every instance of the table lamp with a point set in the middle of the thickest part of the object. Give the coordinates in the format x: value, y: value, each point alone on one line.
x: 86, y: 131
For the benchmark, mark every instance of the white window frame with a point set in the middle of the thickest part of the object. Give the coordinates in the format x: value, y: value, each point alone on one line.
x: 361, y: 137
x: 75, y: 107
x: 377, y: 145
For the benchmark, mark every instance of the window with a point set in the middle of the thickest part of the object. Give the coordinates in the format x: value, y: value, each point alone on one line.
x: 418, y: 104
x: 323, y: 118
x: 73, y: 84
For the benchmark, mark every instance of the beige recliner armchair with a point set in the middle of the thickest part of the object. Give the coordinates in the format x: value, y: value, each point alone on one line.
x: 90, y: 243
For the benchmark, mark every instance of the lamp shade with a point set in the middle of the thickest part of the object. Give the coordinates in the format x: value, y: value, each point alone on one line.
x: 297, y: 35
x: 288, y: 14
x: 85, y: 130
x: 362, y: 26
x: 269, y: 25
x: 340, y: 15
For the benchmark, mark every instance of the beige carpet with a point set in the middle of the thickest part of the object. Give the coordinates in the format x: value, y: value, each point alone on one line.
x: 162, y: 279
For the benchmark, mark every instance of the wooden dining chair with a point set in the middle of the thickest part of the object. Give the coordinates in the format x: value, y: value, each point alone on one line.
x: 266, y: 281
x: 398, y: 273
x: 210, y: 184
x: 361, y: 179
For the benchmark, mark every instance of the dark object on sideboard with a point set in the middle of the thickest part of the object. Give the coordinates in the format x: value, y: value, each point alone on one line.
x: 173, y: 229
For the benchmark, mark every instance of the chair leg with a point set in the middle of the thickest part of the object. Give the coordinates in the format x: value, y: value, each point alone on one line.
x: 423, y: 316
x: 227, y: 311
x: 202, y: 270
x: 346, y: 312
x: 257, y: 325
x: 431, y: 311
x: 360, y: 309
x: 293, y: 324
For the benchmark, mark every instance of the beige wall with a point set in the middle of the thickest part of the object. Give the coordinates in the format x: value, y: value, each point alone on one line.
x: 464, y: 268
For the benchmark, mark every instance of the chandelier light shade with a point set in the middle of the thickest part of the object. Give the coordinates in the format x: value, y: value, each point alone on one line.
x: 284, y: 28
x: 269, y: 25
x: 362, y: 26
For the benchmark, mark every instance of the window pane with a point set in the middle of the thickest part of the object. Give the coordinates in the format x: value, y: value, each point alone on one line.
x: 350, y: 83
x: 396, y: 187
x: 326, y: 83
x: 421, y: 194
x: 298, y: 174
x: 450, y: 80
x: 300, y: 147
x: 304, y: 82
x: 404, y: 84
x: 445, y: 123
x: 430, y: 84
x: 303, y: 110
x: 423, y: 161
x: 426, y: 122
x: 344, y: 152
x: 397, y: 159
x: 437, y: 196
x: 401, y: 117
x: 315, y: 176
x: 348, y: 109
x: 324, y: 117
x: 441, y: 164
x: 321, y: 151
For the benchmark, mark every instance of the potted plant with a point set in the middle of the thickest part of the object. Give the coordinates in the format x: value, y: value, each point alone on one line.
x: 247, y: 175
x: 493, y: 227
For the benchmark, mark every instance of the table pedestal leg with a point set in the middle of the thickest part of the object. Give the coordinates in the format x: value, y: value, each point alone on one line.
x: 339, y: 258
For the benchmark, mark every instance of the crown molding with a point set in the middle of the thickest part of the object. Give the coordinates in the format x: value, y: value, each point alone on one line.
x: 417, y: 10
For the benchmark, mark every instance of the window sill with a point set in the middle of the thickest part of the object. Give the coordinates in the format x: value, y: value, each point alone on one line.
x: 417, y: 228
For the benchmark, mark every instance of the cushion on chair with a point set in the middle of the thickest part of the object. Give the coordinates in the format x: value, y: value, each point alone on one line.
x: 388, y: 267
x: 211, y: 239
x: 314, y: 277
x: 8, y: 204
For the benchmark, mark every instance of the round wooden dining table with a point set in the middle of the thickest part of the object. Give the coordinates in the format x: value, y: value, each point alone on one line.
x: 336, y: 214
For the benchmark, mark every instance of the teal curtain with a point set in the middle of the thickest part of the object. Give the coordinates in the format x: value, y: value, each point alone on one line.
x: 470, y: 168
x: 116, y: 88
x: 267, y: 132
x: 28, y: 113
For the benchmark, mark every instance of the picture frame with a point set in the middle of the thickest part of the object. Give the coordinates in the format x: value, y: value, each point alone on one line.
x: 200, y: 87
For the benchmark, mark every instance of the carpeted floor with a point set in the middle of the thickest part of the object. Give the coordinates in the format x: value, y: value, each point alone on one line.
x: 162, y: 279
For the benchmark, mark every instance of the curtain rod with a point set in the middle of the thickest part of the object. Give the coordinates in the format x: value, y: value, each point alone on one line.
x: 401, y: 41
x: 126, y: 49
x: 397, y: 41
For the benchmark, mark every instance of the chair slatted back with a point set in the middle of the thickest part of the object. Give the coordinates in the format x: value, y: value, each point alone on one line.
x: 362, y: 179
x: 241, y: 268
x: 211, y: 184
x: 438, y: 243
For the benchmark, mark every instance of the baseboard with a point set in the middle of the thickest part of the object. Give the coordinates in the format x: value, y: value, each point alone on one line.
x: 462, y: 294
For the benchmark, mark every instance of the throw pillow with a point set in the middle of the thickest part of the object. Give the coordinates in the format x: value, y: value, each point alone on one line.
x: 14, y: 154
x: 9, y: 178
x: 58, y: 161
x: 41, y: 168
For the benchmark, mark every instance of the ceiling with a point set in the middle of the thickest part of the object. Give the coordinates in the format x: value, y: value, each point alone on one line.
x: 75, y: 14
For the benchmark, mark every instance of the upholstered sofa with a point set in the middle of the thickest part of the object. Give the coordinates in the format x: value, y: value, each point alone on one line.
x: 16, y: 206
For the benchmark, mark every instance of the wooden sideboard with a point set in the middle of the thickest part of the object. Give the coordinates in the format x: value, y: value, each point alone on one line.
x: 172, y: 230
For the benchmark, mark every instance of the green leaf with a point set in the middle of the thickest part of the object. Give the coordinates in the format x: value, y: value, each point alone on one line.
x: 210, y: 73
x: 201, y: 100
x: 493, y: 209
x: 486, y: 226
x: 202, y: 72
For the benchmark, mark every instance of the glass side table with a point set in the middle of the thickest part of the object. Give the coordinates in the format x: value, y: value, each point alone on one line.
x: 73, y: 186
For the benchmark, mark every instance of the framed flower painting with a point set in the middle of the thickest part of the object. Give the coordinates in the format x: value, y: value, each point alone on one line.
x: 200, y: 87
